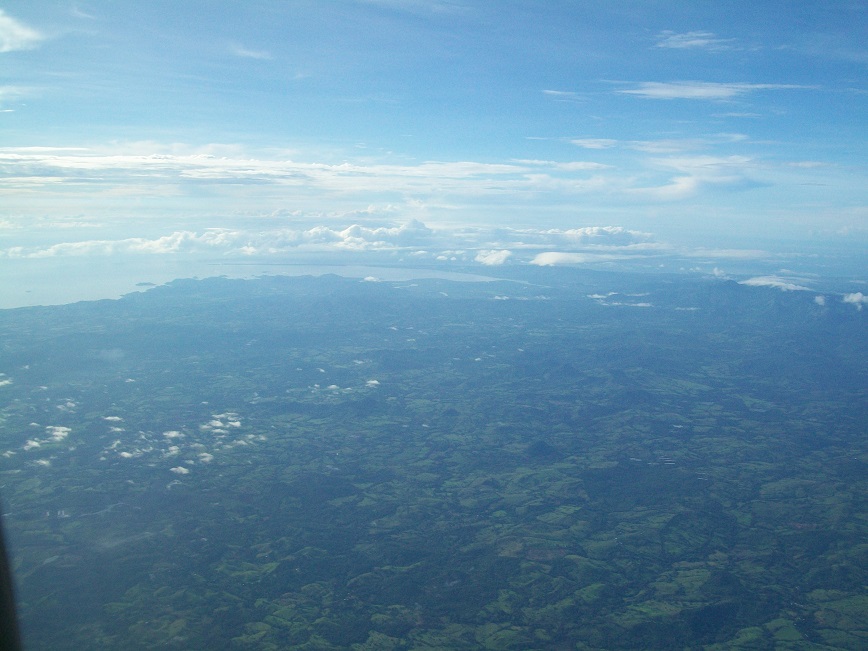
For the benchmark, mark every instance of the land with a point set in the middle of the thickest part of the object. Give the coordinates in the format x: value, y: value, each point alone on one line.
x: 558, y: 460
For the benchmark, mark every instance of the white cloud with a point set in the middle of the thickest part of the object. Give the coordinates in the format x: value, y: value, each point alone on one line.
x: 678, y: 188
x: 174, y: 169
x: 774, y: 281
x: 569, y: 166
x: 552, y: 258
x: 737, y: 114
x: 180, y: 470
x: 485, y: 246
x: 808, y: 164
x: 857, y: 298
x: 419, y: 6
x: 593, y: 237
x: 17, y: 36
x: 57, y: 432
x: 8, y: 93
x: 240, y: 242
x: 579, y: 165
x: 493, y: 258
x: 560, y: 93
x: 820, y: 300
x: 661, y: 146
x: 78, y: 12
x: 693, y: 40
x: 697, y: 172
x: 706, y: 90
x: 241, y: 51
x: 594, y: 143
x: 738, y: 254
x: 704, y: 164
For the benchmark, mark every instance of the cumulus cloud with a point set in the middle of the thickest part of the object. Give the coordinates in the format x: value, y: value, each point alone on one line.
x: 180, y: 470
x: 241, y: 242
x: 17, y: 36
x: 492, y: 247
x: 857, y: 298
x: 57, y: 432
x: 703, y: 90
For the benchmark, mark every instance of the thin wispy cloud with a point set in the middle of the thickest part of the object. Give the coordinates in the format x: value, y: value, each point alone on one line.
x: 556, y: 258
x: 701, y: 90
x: 661, y: 146
x: 728, y: 254
x: 17, y: 36
x: 698, y: 40
x: 570, y: 166
x: 784, y: 284
x: 78, y: 12
x: 564, y: 95
x: 696, y: 172
x: 28, y: 168
x: 594, y: 143
x: 493, y: 258
x: 247, y: 53
x: 8, y: 93
x: 418, y: 6
x: 737, y: 114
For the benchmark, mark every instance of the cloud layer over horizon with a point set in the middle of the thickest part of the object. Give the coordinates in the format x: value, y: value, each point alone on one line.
x: 740, y: 130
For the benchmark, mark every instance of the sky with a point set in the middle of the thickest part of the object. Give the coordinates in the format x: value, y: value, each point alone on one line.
x: 465, y: 131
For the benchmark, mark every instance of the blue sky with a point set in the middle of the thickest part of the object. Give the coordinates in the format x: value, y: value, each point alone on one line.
x: 462, y: 130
